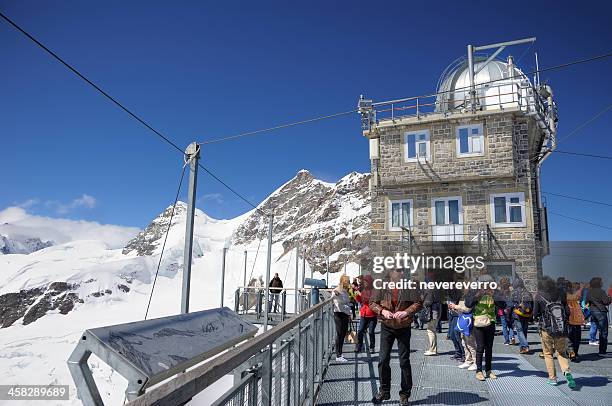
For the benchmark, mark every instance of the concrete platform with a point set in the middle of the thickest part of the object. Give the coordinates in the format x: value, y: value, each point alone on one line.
x: 437, y: 380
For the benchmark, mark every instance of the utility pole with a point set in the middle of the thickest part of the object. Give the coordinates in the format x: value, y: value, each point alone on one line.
x: 192, y: 156
x: 223, y: 275
x: 269, y: 265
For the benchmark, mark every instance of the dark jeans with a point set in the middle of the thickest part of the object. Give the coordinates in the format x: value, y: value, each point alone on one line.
x: 388, y: 336
x: 484, y: 345
x: 575, y: 334
x: 368, y: 323
x: 342, y: 321
x: 273, y: 302
x: 455, y: 336
x: 601, y: 319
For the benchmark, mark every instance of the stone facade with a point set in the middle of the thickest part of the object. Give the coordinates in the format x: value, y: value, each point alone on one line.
x: 511, y: 139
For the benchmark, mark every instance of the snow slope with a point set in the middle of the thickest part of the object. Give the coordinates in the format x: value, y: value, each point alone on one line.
x: 87, y: 279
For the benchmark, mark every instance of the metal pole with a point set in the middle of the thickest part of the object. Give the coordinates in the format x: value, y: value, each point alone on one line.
x: 193, y: 155
x: 470, y: 51
x: 223, y: 275
x: 269, y: 265
x: 303, y: 267
x: 297, y: 270
x: 327, y: 274
x: 245, y: 269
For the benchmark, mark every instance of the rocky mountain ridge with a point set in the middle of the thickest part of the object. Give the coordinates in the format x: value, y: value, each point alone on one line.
x: 329, y: 222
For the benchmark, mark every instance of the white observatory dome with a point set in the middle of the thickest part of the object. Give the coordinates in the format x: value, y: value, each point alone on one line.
x: 496, y: 87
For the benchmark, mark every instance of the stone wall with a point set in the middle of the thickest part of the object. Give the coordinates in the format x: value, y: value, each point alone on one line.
x: 505, y: 167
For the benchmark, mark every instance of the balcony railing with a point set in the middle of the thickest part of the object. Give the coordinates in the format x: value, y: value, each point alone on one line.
x: 451, y: 238
x: 494, y: 97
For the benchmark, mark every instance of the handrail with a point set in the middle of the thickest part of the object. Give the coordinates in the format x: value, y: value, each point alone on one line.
x: 184, y: 387
x: 281, y: 289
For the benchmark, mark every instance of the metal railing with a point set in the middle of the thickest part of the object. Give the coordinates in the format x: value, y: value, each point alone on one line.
x: 458, y: 238
x: 520, y: 95
x: 250, y: 301
x: 283, y: 366
x: 500, y: 96
x: 470, y: 238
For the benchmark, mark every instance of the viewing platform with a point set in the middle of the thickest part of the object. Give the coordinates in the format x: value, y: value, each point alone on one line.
x: 438, y: 381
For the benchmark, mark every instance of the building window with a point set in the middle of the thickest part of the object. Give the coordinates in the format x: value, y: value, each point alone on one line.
x: 470, y: 140
x: 508, y: 210
x: 417, y: 146
x: 447, y: 210
x: 500, y: 270
x: 400, y: 214
x: 447, y: 219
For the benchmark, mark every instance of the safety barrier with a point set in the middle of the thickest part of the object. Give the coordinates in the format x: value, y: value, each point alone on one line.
x: 282, y: 366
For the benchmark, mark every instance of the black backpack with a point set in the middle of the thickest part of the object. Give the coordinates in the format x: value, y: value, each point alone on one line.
x: 553, y: 320
x: 424, y: 315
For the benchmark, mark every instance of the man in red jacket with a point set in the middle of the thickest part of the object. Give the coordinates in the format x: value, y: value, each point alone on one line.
x: 368, y: 318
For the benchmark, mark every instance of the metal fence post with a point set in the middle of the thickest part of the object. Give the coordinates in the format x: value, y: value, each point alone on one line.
x: 266, y: 378
x: 297, y: 270
x: 223, y: 275
x: 283, y: 305
x: 298, y: 361
x: 268, y: 267
x: 288, y: 376
x: 313, y: 337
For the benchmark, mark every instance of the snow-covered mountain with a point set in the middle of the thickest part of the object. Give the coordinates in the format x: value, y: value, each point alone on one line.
x: 22, y: 245
x: 94, y: 275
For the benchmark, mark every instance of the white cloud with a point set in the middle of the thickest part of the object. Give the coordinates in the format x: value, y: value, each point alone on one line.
x: 211, y: 197
x: 16, y: 221
x: 85, y: 201
x: 28, y: 203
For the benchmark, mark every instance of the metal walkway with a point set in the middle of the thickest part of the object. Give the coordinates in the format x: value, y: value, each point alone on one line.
x: 438, y: 381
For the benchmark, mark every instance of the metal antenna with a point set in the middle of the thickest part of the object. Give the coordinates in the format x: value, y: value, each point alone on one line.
x: 470, y: 51
x: 192, y: 156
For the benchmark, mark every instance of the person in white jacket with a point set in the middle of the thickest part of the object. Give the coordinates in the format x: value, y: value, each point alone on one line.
x: 342, y: 314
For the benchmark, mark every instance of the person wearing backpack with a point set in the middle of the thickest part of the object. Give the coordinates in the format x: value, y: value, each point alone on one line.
x: 599, y: 301
x: 483, y: 303
x: 575, y: 321
x: 552, y: 312
x: 522, y: 311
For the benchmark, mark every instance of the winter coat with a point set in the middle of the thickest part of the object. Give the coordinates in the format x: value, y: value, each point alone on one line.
x: 364, y: 299
x: 276, y: 285
x: 576, y: 317
x: 598, y: 299
x: 394, y: 301
x: 341, y: 301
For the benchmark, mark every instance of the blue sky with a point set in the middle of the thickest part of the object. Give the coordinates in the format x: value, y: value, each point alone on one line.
x: 200, y: 70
